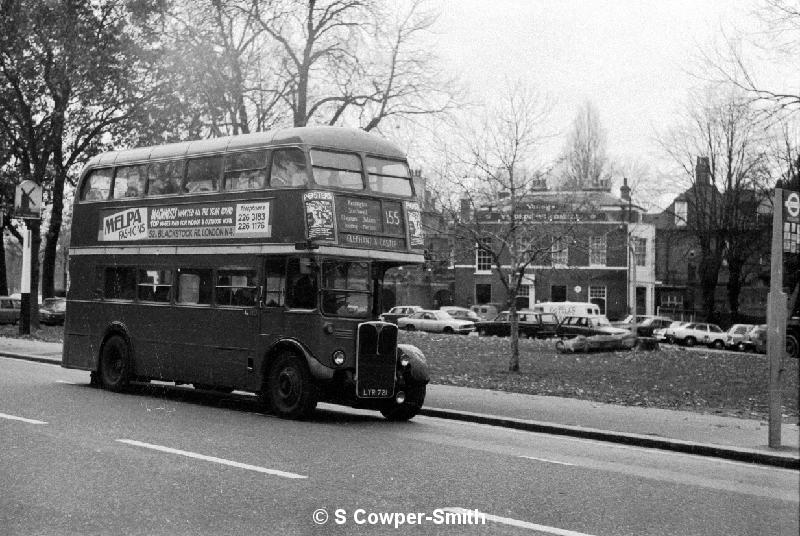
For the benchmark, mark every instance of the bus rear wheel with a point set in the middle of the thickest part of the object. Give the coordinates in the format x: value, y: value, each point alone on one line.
x: 115, y: 364
x: 290, y: 391
x: 415, y: 397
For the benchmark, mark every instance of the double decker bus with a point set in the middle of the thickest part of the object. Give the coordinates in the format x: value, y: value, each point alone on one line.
x: 253, y: 263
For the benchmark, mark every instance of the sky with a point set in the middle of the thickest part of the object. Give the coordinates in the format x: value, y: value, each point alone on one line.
x: 634, y: 60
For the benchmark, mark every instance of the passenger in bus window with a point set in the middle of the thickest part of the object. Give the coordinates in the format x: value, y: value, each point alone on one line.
x: 288, y: 168
x: 304, y: 292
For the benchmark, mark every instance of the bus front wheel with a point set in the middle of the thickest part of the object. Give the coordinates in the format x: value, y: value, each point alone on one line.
x: 115, y: 364
x: 415, y: 397
x: 290, y: 391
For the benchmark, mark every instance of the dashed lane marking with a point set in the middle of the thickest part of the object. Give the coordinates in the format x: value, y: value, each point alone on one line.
x: 23, y: 419
x: 517, y: 523
x: 546, y: 460
x: 213, y: 459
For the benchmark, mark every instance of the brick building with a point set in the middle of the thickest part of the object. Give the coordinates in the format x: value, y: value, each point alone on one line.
x: 601, y: 251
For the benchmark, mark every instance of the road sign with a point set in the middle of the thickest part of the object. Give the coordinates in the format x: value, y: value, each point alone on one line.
x: 791, y: 222
x: 28, y: 200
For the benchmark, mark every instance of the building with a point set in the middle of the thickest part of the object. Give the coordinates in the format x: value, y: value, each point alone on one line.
x: 679, y: 257
x: 594, y: 247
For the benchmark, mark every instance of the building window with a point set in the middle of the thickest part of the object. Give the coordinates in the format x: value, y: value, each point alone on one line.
x: 560, y: 252
x: 483, y: 258
x: 691, y: 272
x: 558, y: 293
x: 639, y: 250
x: 483, y: 293
x: 597, y: 250
x: 672, y: 301
x: 681, y: 213
x: 597, y: 295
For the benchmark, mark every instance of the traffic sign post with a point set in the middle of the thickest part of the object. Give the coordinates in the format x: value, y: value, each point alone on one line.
x: 28, y: 206
x: 785, y: 222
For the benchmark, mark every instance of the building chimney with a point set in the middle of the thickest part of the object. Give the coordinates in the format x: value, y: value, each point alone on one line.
x: 466, y: 211
x: 625, y: 190
x: 702, y: 171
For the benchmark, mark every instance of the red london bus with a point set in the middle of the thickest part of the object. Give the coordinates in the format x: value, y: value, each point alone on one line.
x: 252, y: 262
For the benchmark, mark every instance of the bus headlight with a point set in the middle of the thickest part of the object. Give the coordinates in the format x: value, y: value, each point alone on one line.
x: 404, y: 361
x: 338, y: 358
x: 400, y: 397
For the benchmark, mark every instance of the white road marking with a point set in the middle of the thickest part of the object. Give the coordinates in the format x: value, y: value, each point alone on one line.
x: 23, y: 419
x: 519, y: 524
x: 546, y: 460
x: 222, y: 461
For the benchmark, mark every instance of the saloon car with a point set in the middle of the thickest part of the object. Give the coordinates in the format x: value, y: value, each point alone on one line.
x: 461, y: 313
x: 53, y: 311
x: 398, y: 312
x: 436, y: 321
x: 734, y: 337
x: 702, y: 333
x: 533, y: 325
x: 9, y: 310
x: 572, y: 326
x: 668, y: 333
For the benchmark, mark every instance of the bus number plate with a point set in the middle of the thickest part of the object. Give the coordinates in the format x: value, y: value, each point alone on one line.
x: 375, y: 393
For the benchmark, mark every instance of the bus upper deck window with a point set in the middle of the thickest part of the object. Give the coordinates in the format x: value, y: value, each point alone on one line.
x: 246, y: 171
x: 389, y: 176
x: 129, y: 181
x: 202, y: 174
x: 165, y: 178
x: 288, y: 168
x: 97, y: 186
x: 340, y: 170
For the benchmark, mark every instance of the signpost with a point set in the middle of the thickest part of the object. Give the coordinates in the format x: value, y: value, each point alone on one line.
x: 27, y: 206
x: 785, y: 224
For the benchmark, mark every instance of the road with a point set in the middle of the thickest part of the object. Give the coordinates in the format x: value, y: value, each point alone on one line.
x: 172, y: 460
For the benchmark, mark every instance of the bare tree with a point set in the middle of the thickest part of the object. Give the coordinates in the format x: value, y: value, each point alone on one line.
x: 493, y: 181
x: 777, y: 38
x: 584, y: 161
x: 354, y: 59
x: 720, y: 148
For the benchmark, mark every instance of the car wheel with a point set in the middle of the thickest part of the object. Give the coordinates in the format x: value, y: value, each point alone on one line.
x: 290, y: 391
x: 410, y: 327
x: 482, y: 332
x: 740, y: 347
x: 792, y: 346
x: 718, y: 344
x: 670, y: 339
x: 415, y: 397
x: 115, y: 364
x: 448, y: 330
x: 689, y: 341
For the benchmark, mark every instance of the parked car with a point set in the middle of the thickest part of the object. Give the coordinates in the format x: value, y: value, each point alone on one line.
x: 668, y: 333
x: 398, y: 312
x: 53, y: 311
x: 619, y: 341
x: 461, y: 313
x: 486, y: 311
x: 627, y: 322
x: 647, y: 326
x: 572, y: 326
x: 700, y: 332
x: 736, y: 334
x: 756, y: 339
x: 436, y: 321
x: 793, y: 337
x: 9, y: 310
x: 533, y: 325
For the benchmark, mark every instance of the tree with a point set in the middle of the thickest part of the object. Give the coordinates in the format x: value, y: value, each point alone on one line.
x: 720, y: 147
x: 70, y: 72
x: 354, y: 60
x: 584, y: 161
x: 778, y: 38
x: 490, y: 220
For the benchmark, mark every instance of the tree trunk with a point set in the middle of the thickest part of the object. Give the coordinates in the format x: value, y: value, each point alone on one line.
x: 53, y: 232
x: 3, y: 274
x: 513, y: 363
x: 734, y: 287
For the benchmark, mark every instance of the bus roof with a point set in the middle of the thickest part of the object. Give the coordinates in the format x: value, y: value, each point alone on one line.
x: 342, y: 138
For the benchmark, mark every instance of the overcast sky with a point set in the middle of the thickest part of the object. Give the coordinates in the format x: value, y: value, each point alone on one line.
x: 633, y: 59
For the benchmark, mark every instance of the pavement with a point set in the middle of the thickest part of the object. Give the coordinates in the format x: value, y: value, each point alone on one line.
x: 701, y: 434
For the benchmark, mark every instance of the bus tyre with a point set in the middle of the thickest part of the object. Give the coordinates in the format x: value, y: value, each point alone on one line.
x: 415, y: 397
x: 290, y: 392
x: 115, y: 364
